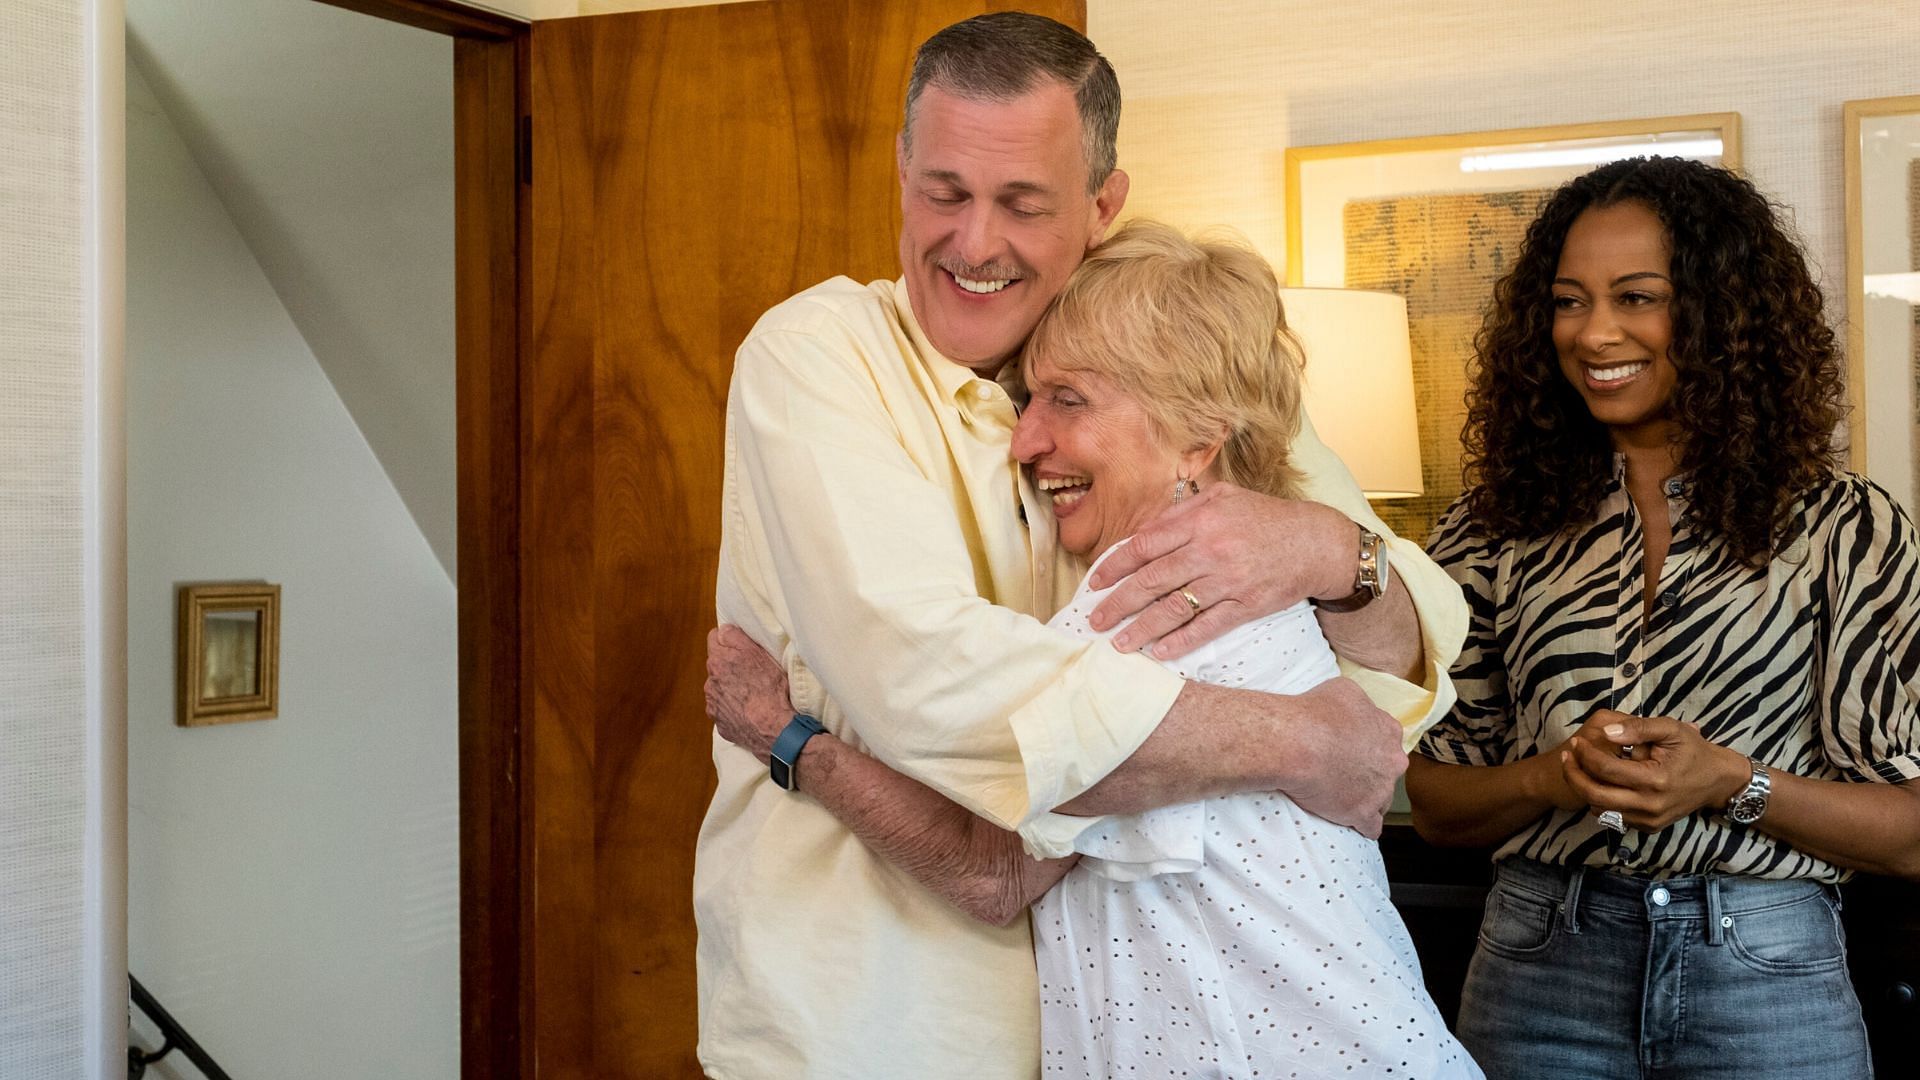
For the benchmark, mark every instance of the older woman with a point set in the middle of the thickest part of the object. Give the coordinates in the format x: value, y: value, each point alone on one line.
x: 1690, y: 695
x: 1237, y: 937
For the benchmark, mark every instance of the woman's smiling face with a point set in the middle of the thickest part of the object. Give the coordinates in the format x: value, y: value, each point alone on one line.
x: 1613, y: 320
x: 1096, y: 456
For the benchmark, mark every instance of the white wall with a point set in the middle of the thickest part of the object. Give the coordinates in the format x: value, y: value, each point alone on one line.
x: 1215, y: 92
x: 328, y: 136
x: 293, y: 887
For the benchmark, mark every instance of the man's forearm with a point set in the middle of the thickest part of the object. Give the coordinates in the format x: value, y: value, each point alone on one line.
x: 1214, y: 741
x: 1384, y: 635
x: 1329, y: 749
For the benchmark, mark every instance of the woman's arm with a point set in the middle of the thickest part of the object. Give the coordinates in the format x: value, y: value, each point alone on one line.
x: 1483, y: 805
x: 1864, y: 826
x: 1467, y: 782
x: 978, y: 867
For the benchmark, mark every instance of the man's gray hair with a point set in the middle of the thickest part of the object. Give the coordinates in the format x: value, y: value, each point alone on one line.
x: 1001, y: 56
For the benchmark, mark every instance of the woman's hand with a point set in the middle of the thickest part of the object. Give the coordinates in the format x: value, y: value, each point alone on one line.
x: 1673, y: 772
x: 747, y: 693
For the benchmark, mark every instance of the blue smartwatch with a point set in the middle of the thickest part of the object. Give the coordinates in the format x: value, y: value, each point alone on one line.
x: 786, y: 748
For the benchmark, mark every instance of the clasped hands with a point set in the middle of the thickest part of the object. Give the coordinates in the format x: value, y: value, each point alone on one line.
x: 1653, y: 770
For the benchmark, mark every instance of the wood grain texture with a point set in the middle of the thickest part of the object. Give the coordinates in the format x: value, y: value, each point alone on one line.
x: 692, y: 168
x: 488, y: 224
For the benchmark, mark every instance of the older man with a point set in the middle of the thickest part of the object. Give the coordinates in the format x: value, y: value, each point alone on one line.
x: 879, y: 540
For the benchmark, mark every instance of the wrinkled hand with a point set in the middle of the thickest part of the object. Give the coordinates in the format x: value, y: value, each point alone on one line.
x: 1242, y: 555
x: 747, y: 693
x: 1673, y: 772
x: 1349, y: 756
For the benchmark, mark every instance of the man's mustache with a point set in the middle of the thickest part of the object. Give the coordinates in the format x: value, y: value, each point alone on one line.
x: 989, y: 271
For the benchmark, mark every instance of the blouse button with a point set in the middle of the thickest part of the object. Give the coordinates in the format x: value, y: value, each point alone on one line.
x: 1669, y: 597
x: 1629, y: 669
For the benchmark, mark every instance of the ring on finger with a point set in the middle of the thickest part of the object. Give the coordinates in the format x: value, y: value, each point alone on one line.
x: 1611, y: 819
x: 1193, y: 602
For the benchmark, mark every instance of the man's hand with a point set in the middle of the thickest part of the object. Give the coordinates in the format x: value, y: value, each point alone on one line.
x: 747, y: 693
x: 1673, y: 772
x: 1240, y: 555
x: 1346, y: 755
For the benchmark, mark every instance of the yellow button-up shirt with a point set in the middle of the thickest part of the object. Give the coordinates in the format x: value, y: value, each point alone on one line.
x: 879, y: 539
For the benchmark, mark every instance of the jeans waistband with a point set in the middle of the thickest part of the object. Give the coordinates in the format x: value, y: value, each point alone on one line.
x: 1711, y: 897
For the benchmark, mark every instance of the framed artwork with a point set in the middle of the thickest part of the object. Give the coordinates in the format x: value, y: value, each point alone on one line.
x: 1438, y: 220
x: 1883, y: 290
x: 228, y: 652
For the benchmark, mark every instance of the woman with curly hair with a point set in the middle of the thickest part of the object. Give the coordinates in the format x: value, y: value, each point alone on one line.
x: 1690, y: 693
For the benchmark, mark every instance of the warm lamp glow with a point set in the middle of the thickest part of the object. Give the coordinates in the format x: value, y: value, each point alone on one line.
x: 1360, y: 383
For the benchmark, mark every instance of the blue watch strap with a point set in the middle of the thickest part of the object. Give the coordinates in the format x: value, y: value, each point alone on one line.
x: 786, y: 748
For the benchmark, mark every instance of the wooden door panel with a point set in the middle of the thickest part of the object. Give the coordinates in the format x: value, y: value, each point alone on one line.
x: 690, y: 168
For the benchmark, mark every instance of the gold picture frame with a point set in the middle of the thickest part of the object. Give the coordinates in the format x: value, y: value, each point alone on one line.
x: 1437, y: 219
x: 1882, y: 142
x: 227, y: 653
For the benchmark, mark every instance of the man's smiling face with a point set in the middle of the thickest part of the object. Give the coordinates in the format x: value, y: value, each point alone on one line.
x: 995, y: 215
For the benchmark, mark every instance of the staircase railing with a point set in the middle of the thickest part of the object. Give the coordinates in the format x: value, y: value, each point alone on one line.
x: 172, y: 1037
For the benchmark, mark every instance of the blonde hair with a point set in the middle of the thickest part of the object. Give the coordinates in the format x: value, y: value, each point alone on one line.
x: 1192, y: 329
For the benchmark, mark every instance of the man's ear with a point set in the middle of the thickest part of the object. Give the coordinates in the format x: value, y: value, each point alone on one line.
x: 1106, y: 205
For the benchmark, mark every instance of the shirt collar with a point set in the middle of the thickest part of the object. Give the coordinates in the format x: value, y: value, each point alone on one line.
x: 950, y: 377
x: 1676, y: 486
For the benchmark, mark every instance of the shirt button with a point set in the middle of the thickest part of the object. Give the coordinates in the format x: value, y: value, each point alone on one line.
x: 1629, y: 669
x: 1670, y: 597
x: 1660, y: 897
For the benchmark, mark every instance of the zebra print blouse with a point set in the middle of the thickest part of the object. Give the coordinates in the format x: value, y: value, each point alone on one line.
x: 1810, y: 664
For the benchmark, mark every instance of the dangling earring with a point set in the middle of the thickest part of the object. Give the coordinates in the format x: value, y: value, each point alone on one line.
x: 1184, y: 487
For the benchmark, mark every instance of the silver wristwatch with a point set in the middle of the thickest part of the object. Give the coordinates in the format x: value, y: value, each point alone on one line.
x: 1747, y: 807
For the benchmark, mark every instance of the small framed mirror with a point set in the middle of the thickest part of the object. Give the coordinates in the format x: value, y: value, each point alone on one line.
x: 229, y: 653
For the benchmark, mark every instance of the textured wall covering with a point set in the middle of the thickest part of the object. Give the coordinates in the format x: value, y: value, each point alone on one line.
x: 1216, y: 92
x: 44, y: 341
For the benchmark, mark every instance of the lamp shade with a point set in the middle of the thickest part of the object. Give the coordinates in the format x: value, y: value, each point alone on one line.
x: 1359, y: 383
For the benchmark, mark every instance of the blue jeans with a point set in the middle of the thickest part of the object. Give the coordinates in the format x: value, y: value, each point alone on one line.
x: 1589, y: 975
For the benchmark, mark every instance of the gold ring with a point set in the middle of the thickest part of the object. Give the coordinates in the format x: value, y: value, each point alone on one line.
x: 1192, y: 600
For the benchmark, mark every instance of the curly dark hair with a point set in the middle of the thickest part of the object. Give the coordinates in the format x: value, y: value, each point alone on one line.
x: 1758, y: 387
